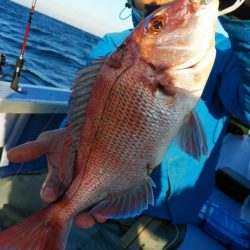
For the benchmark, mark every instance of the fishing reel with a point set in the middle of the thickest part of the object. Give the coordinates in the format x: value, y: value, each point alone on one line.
x: 2, y: 62
x: 16, y: 77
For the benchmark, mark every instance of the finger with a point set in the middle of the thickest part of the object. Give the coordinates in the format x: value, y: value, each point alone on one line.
x: 50, y: 192
x: 52, y: 186
x: 26, y: 152
x: 32, y: 150
x: 100, y: 219
x: 84, y: 220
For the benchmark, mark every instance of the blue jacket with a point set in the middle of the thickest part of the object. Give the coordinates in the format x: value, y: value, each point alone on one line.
x: 183, y: 183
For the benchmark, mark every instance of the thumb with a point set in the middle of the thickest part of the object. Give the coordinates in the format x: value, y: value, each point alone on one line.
x: 52, y: 186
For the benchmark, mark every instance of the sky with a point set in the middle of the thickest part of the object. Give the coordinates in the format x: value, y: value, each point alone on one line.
x: 95, y: 16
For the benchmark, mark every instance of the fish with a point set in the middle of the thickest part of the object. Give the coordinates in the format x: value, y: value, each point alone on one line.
x: 126, y: 110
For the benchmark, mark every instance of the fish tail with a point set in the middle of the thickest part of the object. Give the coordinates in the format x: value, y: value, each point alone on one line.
x: 39, y: 231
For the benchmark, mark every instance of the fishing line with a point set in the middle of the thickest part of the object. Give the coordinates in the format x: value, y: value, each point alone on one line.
x: 13, y: 178
x: 49, y: 121
x: 22, y: 163
x: 7, y: 179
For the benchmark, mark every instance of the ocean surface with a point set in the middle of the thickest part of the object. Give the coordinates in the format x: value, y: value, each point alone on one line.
x: 54, y: 51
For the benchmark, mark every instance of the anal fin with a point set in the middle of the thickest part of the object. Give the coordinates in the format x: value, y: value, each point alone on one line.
x: 128, y: 204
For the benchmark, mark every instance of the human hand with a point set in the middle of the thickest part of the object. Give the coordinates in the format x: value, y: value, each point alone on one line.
x: 51, y: 144
x: 243, y: 12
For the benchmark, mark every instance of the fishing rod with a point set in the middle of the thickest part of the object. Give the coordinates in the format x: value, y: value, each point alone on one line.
x: 20, y: 61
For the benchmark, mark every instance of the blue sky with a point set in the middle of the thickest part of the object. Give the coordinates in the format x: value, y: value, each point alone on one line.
x: 95, y: 16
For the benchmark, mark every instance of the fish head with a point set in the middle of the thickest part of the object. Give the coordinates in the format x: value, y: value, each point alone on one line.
x: 179, y: 33
x: 178, y: 40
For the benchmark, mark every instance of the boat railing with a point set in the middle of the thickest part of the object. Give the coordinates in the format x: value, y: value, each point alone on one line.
x: 25, y: 116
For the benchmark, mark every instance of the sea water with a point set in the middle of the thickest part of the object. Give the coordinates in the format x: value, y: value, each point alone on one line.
x: 55, y: 50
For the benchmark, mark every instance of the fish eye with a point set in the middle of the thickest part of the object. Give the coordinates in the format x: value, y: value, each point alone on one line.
x: 156, y: 25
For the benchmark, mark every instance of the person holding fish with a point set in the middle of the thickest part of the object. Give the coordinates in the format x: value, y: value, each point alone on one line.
x: 147, y: 139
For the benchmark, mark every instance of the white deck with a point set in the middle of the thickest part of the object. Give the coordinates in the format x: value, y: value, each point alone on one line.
x: 36, y: 99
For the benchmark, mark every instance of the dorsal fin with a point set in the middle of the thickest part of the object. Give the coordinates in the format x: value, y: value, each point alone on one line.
x: 81, y: 92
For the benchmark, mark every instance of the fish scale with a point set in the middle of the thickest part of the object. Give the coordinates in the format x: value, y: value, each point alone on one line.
x: 129, y: 150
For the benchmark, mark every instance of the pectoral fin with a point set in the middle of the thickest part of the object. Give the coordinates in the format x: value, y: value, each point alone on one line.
x: 128, y: 204
x: 191, y: 137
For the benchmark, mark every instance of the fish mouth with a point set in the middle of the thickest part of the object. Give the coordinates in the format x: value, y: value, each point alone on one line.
x: 190, y: 64
x: 196, y: 63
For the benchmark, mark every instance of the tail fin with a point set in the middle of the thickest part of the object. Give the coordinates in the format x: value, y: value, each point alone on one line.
x: 37, y: 232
